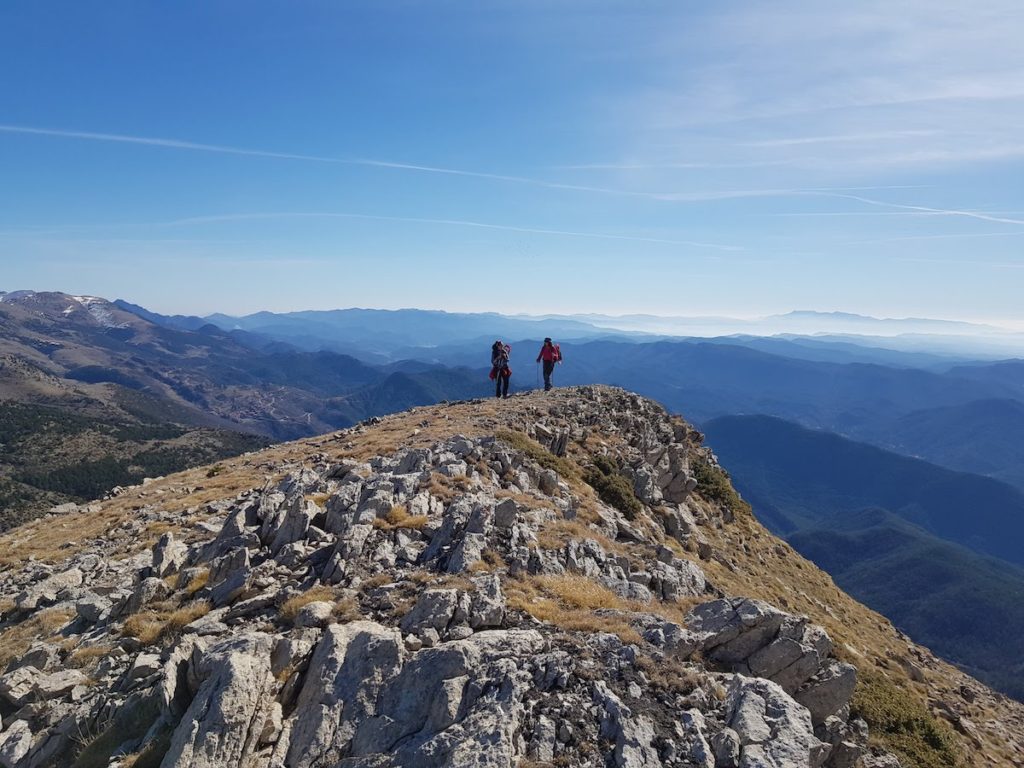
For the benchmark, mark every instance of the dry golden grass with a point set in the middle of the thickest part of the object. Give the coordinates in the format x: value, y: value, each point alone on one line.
x: 17, y: 639
x: 53, y: 619
x: 198, y: 581
x: 187, y: 614
x: 668, y: 675
x: 88, y: 656
x: 569, y: 604
x: 378, y: 580
x: 440, y: 486
x: 490, y: 561
x: 674, y: 611
x: 158, y: 528
x: 554, y: 535
x: 162, y: 622
x: 455, y: 582
x: 346, y: 609
x: 320, y: 593
x: 146, y: 627
x: 579, y: 592
x: 48, y: 540
x: 399, y: 517
x: 7, y: 604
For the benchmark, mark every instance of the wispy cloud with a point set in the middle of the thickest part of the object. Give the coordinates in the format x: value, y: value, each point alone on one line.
x: 826, y: 89
x: 849, y: 138
x: 965, y: 262
x: 443, y: 222
x: 948, y: 236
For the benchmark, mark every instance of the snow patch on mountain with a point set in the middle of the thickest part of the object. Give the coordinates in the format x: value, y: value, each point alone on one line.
x: 99, y: 309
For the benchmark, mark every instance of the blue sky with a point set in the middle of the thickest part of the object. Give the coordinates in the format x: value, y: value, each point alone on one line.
x: 738, y: 158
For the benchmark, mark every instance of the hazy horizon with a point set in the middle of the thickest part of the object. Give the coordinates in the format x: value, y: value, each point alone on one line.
x: 795, y: 322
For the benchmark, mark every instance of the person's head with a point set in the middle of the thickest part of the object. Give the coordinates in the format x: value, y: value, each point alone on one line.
x: 496, y: 344
x: 547, y: 342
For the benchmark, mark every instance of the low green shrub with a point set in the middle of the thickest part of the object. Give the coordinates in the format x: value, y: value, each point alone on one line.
x: 523, y: 442
x: 714, y: 485
x: 903, y: 724
x: 605, y: 477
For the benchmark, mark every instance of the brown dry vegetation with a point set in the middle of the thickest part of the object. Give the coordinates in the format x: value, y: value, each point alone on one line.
x: 377, y: 580
x: 346, y: 608
x: 525, y: 500
x: 399, y: 517
x: 555, y: 534
x: 569, y: 602
x: 87, y: 657
x: 17, y: 639
x: 490, y: 560
x: 668, y: 674
x: 162, y: 622
x: 320, y: 593
x: 197, y: 582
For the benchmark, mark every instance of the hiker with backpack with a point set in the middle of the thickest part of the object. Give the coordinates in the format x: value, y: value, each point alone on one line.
x: 500, y: 371
x: 550, y: 354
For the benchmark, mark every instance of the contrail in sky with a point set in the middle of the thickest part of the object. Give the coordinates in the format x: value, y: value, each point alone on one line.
x: 921, y: 208
x: 416, y: 167
x: 370, y: 163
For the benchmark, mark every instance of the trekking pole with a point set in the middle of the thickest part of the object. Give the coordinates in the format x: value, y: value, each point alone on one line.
x: 538, y: 376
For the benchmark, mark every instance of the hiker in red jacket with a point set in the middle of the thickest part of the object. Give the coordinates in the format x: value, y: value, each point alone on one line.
x: 549, y: 354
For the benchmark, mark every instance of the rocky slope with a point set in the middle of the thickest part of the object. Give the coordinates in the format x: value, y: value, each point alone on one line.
x: 558, y: 579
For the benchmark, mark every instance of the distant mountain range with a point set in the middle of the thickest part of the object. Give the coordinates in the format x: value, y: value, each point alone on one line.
x: 939, y: 552
x: 413, y: 332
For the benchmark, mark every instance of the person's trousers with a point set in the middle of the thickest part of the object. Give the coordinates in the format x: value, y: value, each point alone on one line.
x: 501, y: 385
x: 549, y: 367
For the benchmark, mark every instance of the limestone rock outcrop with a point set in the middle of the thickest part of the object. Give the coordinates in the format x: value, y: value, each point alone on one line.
x: 467, y: 601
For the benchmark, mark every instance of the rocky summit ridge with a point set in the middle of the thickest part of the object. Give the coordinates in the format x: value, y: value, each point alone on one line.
x: 562, y: 579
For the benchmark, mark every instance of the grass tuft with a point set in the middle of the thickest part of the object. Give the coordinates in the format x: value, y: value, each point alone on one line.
x: 320, y: 593
x: 399, y: 517
x: 17, y: 639
x: 151, y: 626
x: 569, y: 602
x: 198, y: 581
